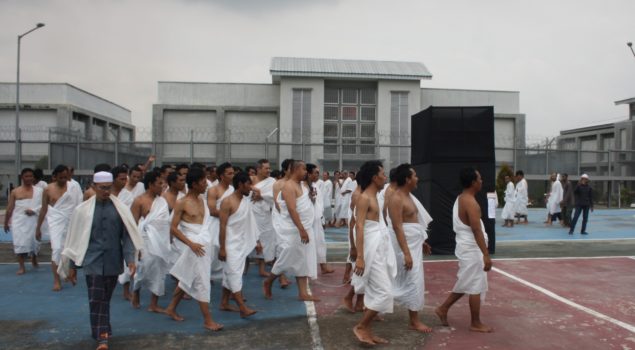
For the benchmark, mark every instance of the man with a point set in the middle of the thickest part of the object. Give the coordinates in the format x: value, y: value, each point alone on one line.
x: 522, y: 197
x: 176, y: 184
x: 39, y: 179
x: 166, y: 170
x: 215, y: 197
x: 134, y: 185
x: 101, y: 234
x: 286, y: 169
x: 57, y: 207
x: 120, y: 179
x: 347, y: 301
x: 238, y: 238
x: 212, y: 177
x: 313, y: 174
x: 408, y: 222
x: 151, y: 214
x: 583, y: 194
x: 99, y: 167
x: 250, y: 170
x: 375, y: 264
x: 297, y: 241
x: 327, y: 191
x: 345, y: 192
x: 553, y: 199
x: 510, y: 203
x: 22, y: 210
x: 190, y: 225
x: 568, y: 200
x: 262, y: 198
x: 471, y: 250
x: 337, y: 197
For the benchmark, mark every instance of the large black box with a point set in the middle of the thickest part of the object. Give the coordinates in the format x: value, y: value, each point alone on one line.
x: 444, y: 141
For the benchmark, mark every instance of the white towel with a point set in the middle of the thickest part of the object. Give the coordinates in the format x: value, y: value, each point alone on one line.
x: 472, y: 279
x: 153, y: 266
x: 240, y: 240
x: 23, y: 226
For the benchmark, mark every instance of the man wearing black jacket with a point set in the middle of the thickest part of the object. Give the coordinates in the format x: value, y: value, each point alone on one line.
x: 583, y: 194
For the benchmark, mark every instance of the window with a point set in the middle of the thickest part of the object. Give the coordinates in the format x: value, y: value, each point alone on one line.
x: 301, y: 120
x: 399, y: 127
x: 350, y: 117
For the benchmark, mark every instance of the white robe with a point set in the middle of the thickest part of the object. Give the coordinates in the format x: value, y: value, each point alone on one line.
x: 262, y: 212
x: 58, y: 217
x: 41, y: 184
x: 318, y: 229
x: 510, y: 202
x: 296, y: 259
x: 471, y: 279
x: 522, y: 197
x: 192, y: 271
x: 127, y: 198
x: 409, y: 286
x: 345, y: 199
x: 555, y: 197
x: 240, y: 239
x: 327, y: 194
x: 217, y: 265
x: 76, y: 190
x: 23, y: 226
x: 376, y: 283
x: 338, y: 199
x: 153, y: 266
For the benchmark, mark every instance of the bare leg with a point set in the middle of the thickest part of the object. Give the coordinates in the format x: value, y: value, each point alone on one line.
x: 347, y: 301
x: 224, y: 304
x: 261, y: 268
x: 34, y: 262
x: 57, y: 283
x: 326, y: 268
x: 362, y: 330
x: 284, y: 281
x: 303, y: 289
x: 207, y: 316
x: 154, y: 304
x: 136, y: 296
x: 475, y: 311
x: 417, y: 325
x: 442, y: 311
x: 171, y: 309
x: 347, y: 273
x: 126, y: 291
x: 245, y: 311
x: 266, y: 285
x: 21, y: 268
x: 359, y: 304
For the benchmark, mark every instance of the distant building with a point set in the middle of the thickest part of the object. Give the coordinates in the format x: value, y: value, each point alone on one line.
x: 311, y: 106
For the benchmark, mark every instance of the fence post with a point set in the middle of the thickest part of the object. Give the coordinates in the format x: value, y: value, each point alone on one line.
x: 579, y: 160
x: 229, y: 145
x: 340, y: 149
x: 609, y: 185
x: 77, y: 155
x: 191, y: 146
x: 116, y: 152
x: 50, y: 149
x: 547, y: 161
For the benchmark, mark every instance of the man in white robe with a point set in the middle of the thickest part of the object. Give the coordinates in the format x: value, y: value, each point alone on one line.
x: 151, y: 213
x: 375, y: 266
x: 190, y: 225
x: 215, y: 197
x: 554, y: 199
x: 58, y: 204
x: 75, y: 187
x: 471, y: 251
x: 327, y: 192
x: 238, y: 237
x: 262, y: 199
x: 337, y: 197
x: 345, y: 192
x: 22, y: 211
x: 297, y: 241
x: 313, y: 174
x: 509, y: 210
x: 408, y: 222
x: 522, y: 197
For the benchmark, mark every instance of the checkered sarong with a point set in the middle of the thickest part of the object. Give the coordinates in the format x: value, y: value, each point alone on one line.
x: 100, y: 289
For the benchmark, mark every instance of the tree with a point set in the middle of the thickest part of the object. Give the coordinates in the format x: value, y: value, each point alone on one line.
x: 505, y: 170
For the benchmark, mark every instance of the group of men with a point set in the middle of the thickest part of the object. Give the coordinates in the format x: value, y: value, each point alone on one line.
x: 561, y: 200
x: 136, y: 226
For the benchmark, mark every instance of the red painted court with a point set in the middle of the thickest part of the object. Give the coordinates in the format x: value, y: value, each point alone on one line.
x: 569, y: 303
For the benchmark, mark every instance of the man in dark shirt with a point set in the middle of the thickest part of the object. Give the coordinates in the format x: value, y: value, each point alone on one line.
x: 108, y: 246
x: 583, y: 194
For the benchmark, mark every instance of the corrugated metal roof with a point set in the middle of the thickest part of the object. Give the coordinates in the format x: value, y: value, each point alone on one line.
x: 626, y: 101
x: 339, y: 68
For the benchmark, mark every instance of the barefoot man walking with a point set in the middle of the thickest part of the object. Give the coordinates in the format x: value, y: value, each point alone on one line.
x: 471, y: 250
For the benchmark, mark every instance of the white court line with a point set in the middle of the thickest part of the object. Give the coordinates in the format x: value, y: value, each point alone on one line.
x: 520, y: 259
x: 314, y: 328
x: 561, y: 299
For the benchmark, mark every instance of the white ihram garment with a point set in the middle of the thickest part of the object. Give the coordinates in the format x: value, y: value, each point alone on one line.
x: 58, y: 216
x: 318, y: 229
x: 345, y: 201
x: 338, y: 199
x: 510, y: 202
x: 153, y: 266
x: 217, y: 265
x: 264, y: 226
x: 240, y: 240
x: 127, y: 198
x: 76, y: 190
x: 192, y: 271
x: 296, y: 259
x: 472, y: 279
x: 555, y: 197
x: 409, y: 286
x: 522, y: 197
x: 23, y: 226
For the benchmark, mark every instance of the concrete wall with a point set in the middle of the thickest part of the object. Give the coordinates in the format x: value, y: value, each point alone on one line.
x: 218, y: 94
x: 505, y: 102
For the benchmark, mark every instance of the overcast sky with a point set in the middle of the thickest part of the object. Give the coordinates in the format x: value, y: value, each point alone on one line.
x: 568, y: 59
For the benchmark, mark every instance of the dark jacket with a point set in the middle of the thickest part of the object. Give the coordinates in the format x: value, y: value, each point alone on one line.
x: 583, y: 196
x: 567, y: 196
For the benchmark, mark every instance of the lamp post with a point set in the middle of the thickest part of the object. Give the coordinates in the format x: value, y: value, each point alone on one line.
x: 18, y: 151
x: 630, y: 46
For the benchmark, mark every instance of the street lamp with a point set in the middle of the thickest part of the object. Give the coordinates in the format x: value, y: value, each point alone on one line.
x: 630, y: 46
x: 18, y: 151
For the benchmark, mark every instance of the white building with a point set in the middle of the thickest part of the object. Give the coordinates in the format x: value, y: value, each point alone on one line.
x: 312, y: 106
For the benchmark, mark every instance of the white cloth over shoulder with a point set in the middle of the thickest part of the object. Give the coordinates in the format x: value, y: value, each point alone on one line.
x: 472, y: 279
x: 76, y: 190
x: 376, y: 283
x: 510, y: 202
x: 345, y: 200
x: 126, y: 197
x: 555, y: 197
x: 23, y: 226
x: 153, y: 266
x: 214, y: 227
x: 522, y: 197
x: 58, y: 217
x: 192, y: 271
x: 240, y: 240
x: 318, y: 229
x: 296, y: 259
x: 262, y: 213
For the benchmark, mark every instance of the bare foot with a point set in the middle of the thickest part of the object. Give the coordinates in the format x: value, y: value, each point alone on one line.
x: 248, y: 312
x: 135, y: 304
x: 213, y: 326
x: 378, y: 318
x: 266, y: 288
x: 479, y: 327
x: 379, y: 340
x: 348, y: 304
x: 187, y: 297
x: 308, y: 298
x: 174, y: 315
x: 264, y: 274
x: 20, y: 271
x: 56, y: 287
x: 126, y: 295
x: 359, y: 305
x: 34, y: 262
x: 284, y: 283
x: 156, y: 309
x: 228, y: 307
x: 363, y: 335
x: 420, y: 327
x: 443, y: 316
